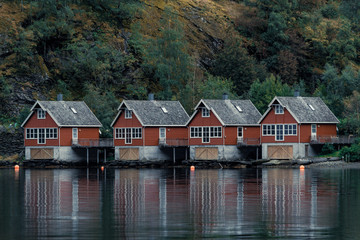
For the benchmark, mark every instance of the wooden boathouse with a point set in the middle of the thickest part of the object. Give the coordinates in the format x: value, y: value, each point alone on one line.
x: 147, y: 130
x: 225, y: 130
x: 61, y: 130
x: 292, y: 127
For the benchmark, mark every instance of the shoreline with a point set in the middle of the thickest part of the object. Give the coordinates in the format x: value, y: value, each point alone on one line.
x: 307, y: 163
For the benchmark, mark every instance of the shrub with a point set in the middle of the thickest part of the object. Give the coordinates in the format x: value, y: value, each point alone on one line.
x: 351, y: 154
x: 327, y: 149
x: 330, y: 11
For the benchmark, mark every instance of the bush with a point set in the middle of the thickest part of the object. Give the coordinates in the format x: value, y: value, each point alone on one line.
x: 327, y: 149
x: 351, y: 154
x: 330, y: 11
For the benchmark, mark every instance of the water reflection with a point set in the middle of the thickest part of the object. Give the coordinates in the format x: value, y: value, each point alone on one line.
x: 151, y: 204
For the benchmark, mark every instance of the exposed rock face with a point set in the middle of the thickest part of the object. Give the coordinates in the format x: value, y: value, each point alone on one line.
x: 11, y: 141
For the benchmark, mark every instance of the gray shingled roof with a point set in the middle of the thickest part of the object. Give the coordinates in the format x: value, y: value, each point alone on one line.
x: 300, y: 109
x: 150, y: 113
x: 62, y: 114
x: 229, y: 115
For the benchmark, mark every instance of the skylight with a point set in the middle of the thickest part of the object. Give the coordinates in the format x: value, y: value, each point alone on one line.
x: 73, y: 110
x: 239, y: 108
x: 164, y: 109
x: 311, y: 107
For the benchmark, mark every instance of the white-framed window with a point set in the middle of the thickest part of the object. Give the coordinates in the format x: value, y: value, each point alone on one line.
x: 40, y: 114
x: 128, y: 139
x: 128, y: 114
x: 279, y: 109
x: 137, y: 133
x: 31, y: 133
x: 119, y: 133
x: 51, y: 133
x: 205, y: 112
x: 41, y: 136
x: 195, y: 132
x: 206, y: 135
x: 215, y: 132
x: 240, y: 132
x: 162, y: 133
x: 290, y: 130
x: 279, y: 132
x: 269, y: 130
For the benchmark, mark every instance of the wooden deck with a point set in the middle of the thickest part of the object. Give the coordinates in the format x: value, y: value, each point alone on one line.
x: 248, y: 142
x: 178, y: 142
x: 345, y: 140
x: 93, y: 143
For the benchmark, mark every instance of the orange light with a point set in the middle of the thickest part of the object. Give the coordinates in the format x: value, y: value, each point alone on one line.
x: 16, y: 167
x: 102, y: 168
x: 302, y: 167
x: 192, y: 168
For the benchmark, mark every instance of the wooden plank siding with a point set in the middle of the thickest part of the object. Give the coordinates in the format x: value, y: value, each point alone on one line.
x: 42, y: 153
x: 83, y: 133
x: 280, y: 152
x: 323, y: 130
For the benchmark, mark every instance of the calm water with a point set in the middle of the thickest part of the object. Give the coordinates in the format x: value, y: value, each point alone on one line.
x: 153, y: 204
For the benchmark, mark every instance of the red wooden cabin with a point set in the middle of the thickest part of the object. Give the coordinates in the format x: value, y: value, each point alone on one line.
x: 53, y: 128
x: 219, y: 127
x: 293, y: 125
x: 143, y: 128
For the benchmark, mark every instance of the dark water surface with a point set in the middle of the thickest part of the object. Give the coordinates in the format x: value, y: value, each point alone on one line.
x: 177, y: 203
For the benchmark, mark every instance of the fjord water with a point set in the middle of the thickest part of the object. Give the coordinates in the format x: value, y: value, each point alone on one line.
x: 178, y: 203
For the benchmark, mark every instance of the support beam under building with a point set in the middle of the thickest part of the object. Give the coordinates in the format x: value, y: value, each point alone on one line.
x: 174, y: 155
x: 105, y: 155
x: 97, y: 156
x: 87, y: 156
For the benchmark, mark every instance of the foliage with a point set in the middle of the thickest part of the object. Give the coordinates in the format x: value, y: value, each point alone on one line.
x: 351, y: 153
x: 211, y: 87
x: 234, y: 63
x: 104, y: 105
x: 261, y: 93
x: 166, y: 60
x: 327, y: 149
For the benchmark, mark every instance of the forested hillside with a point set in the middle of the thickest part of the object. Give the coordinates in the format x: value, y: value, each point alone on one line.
x: 103, y: 51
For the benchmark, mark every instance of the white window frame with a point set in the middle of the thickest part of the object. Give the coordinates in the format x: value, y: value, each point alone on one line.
x: 119, y: 133
x: 279, y: 109
x: 128, y: 132
x: 136, y: 133
x: 41, y: 114
x: 195, y: 132
x: 162, y: 130
x: 205, y: 112
x: 39, y: 133
x: 270, y: 129
x: 215, y: 132
x: 31, y: 133
x: 204, y: 134
x: 242, y: 132
x: 51, y: 133
x: 128, y: 114
x: 278, y: 128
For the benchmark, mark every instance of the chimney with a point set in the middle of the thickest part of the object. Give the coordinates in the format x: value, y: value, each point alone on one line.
x: 59, y: 97
x: 225, y: 96
x: 297, y: 93
x: 151, y: 97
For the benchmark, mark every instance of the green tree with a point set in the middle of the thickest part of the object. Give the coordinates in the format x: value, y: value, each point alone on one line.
x: 166, y: 60
x: 234, y: 63
x: 261, y: 93
x: 104, y: 105
x: 212, y: 87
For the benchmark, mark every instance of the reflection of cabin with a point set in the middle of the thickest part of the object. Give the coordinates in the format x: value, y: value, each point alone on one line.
x: 143, y: 129
x: 292, y: 124
x: 54, y: 128
x: 223, y: 129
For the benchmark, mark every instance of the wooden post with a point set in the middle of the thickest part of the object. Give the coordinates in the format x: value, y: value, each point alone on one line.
x: 87, y: 156
x: 105, y: 155
x: 257, y: 153
x: 174, y: 155
x: 186, y: 153
x: 97, y: 156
